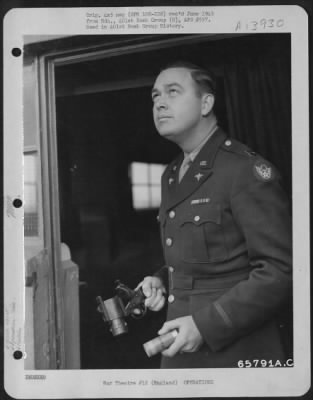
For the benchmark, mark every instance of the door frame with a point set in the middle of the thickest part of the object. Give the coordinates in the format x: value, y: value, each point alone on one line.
x: 49, y: 59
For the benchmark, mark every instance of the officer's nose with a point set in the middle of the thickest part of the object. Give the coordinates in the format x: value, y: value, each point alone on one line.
x: 161, y: 103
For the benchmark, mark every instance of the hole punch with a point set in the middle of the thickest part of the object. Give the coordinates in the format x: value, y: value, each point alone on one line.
x: 17, y: 355
x: 16, y: 51
x: 17, y: 203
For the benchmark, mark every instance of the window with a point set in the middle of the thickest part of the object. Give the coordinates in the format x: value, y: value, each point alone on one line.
x: 31, y: 225
x: 146, y: 184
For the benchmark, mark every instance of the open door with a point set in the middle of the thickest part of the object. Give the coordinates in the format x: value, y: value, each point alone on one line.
x: 52, y: 332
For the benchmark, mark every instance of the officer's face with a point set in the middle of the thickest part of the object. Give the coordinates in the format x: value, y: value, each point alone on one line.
x: 176, y: 104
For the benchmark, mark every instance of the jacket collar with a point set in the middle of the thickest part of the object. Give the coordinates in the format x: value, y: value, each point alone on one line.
x: 199, y: 171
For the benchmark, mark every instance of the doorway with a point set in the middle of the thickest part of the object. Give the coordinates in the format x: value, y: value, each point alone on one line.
x: 110, y: 160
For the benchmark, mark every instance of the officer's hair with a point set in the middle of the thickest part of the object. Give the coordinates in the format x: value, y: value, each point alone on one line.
x: 204, y: 79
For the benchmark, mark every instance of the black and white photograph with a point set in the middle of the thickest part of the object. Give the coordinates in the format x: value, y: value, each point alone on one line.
x: 161, y: 201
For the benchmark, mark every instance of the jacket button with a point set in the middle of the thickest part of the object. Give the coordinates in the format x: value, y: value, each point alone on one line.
x: 197, y: 218
x: 172, y: 214
x: 171, y: 298
x: 169, y: 242
x: 171, y: 269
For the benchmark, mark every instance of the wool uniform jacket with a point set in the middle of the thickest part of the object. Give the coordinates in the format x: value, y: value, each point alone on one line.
x: 226, y: 235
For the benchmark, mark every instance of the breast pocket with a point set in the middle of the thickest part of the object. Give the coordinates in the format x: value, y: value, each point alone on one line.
x: 202, y: 236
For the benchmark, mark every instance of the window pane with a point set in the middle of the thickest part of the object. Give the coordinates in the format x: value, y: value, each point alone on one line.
x: 140, y: 196
x: 155, y: 196
x: 139, y: 172
x: 146, y: 183
x: 156, y: 171
x: 30, y: 196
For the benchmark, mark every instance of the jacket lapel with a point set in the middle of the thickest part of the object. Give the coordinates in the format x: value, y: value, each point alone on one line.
x: 199, y: 171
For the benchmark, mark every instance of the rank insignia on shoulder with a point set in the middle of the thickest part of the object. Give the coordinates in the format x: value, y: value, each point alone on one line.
x: 263, y: 171
x: 250, y: 152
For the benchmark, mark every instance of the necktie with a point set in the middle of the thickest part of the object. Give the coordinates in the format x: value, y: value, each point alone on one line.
x: 184, y: 167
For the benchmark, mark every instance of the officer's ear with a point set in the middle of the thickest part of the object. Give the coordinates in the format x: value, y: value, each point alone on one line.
x: 207, y: 104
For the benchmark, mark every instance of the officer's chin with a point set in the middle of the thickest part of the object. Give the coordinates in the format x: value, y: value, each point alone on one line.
x: 169, y: 135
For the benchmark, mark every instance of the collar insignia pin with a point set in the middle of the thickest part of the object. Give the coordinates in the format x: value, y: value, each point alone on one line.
x: 198, y: 176
x: 170, y: 181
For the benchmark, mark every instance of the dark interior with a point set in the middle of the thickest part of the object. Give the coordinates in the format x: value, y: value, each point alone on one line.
x: 104, y: 123
x: 108, y: 239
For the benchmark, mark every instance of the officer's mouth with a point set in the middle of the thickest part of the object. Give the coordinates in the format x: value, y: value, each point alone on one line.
x: 164, y: 118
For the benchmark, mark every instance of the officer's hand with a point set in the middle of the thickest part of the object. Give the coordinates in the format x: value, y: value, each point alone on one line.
x: 154, y: 291
x: 188, y: 339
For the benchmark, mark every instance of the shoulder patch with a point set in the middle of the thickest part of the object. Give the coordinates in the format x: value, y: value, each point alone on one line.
x: 263, y: 171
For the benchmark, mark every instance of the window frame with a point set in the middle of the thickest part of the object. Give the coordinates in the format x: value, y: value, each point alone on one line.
x: 148, y: 184
x: 36, y: 239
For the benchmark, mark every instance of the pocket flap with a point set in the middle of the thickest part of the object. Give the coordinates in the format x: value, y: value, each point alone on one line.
x: 201, y: 214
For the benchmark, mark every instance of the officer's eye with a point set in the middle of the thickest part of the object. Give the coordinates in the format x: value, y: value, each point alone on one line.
x: 155, y: 97
x: 173, y: 91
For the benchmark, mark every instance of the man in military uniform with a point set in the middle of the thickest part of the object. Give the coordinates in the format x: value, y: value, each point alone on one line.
x: 226, y: 234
